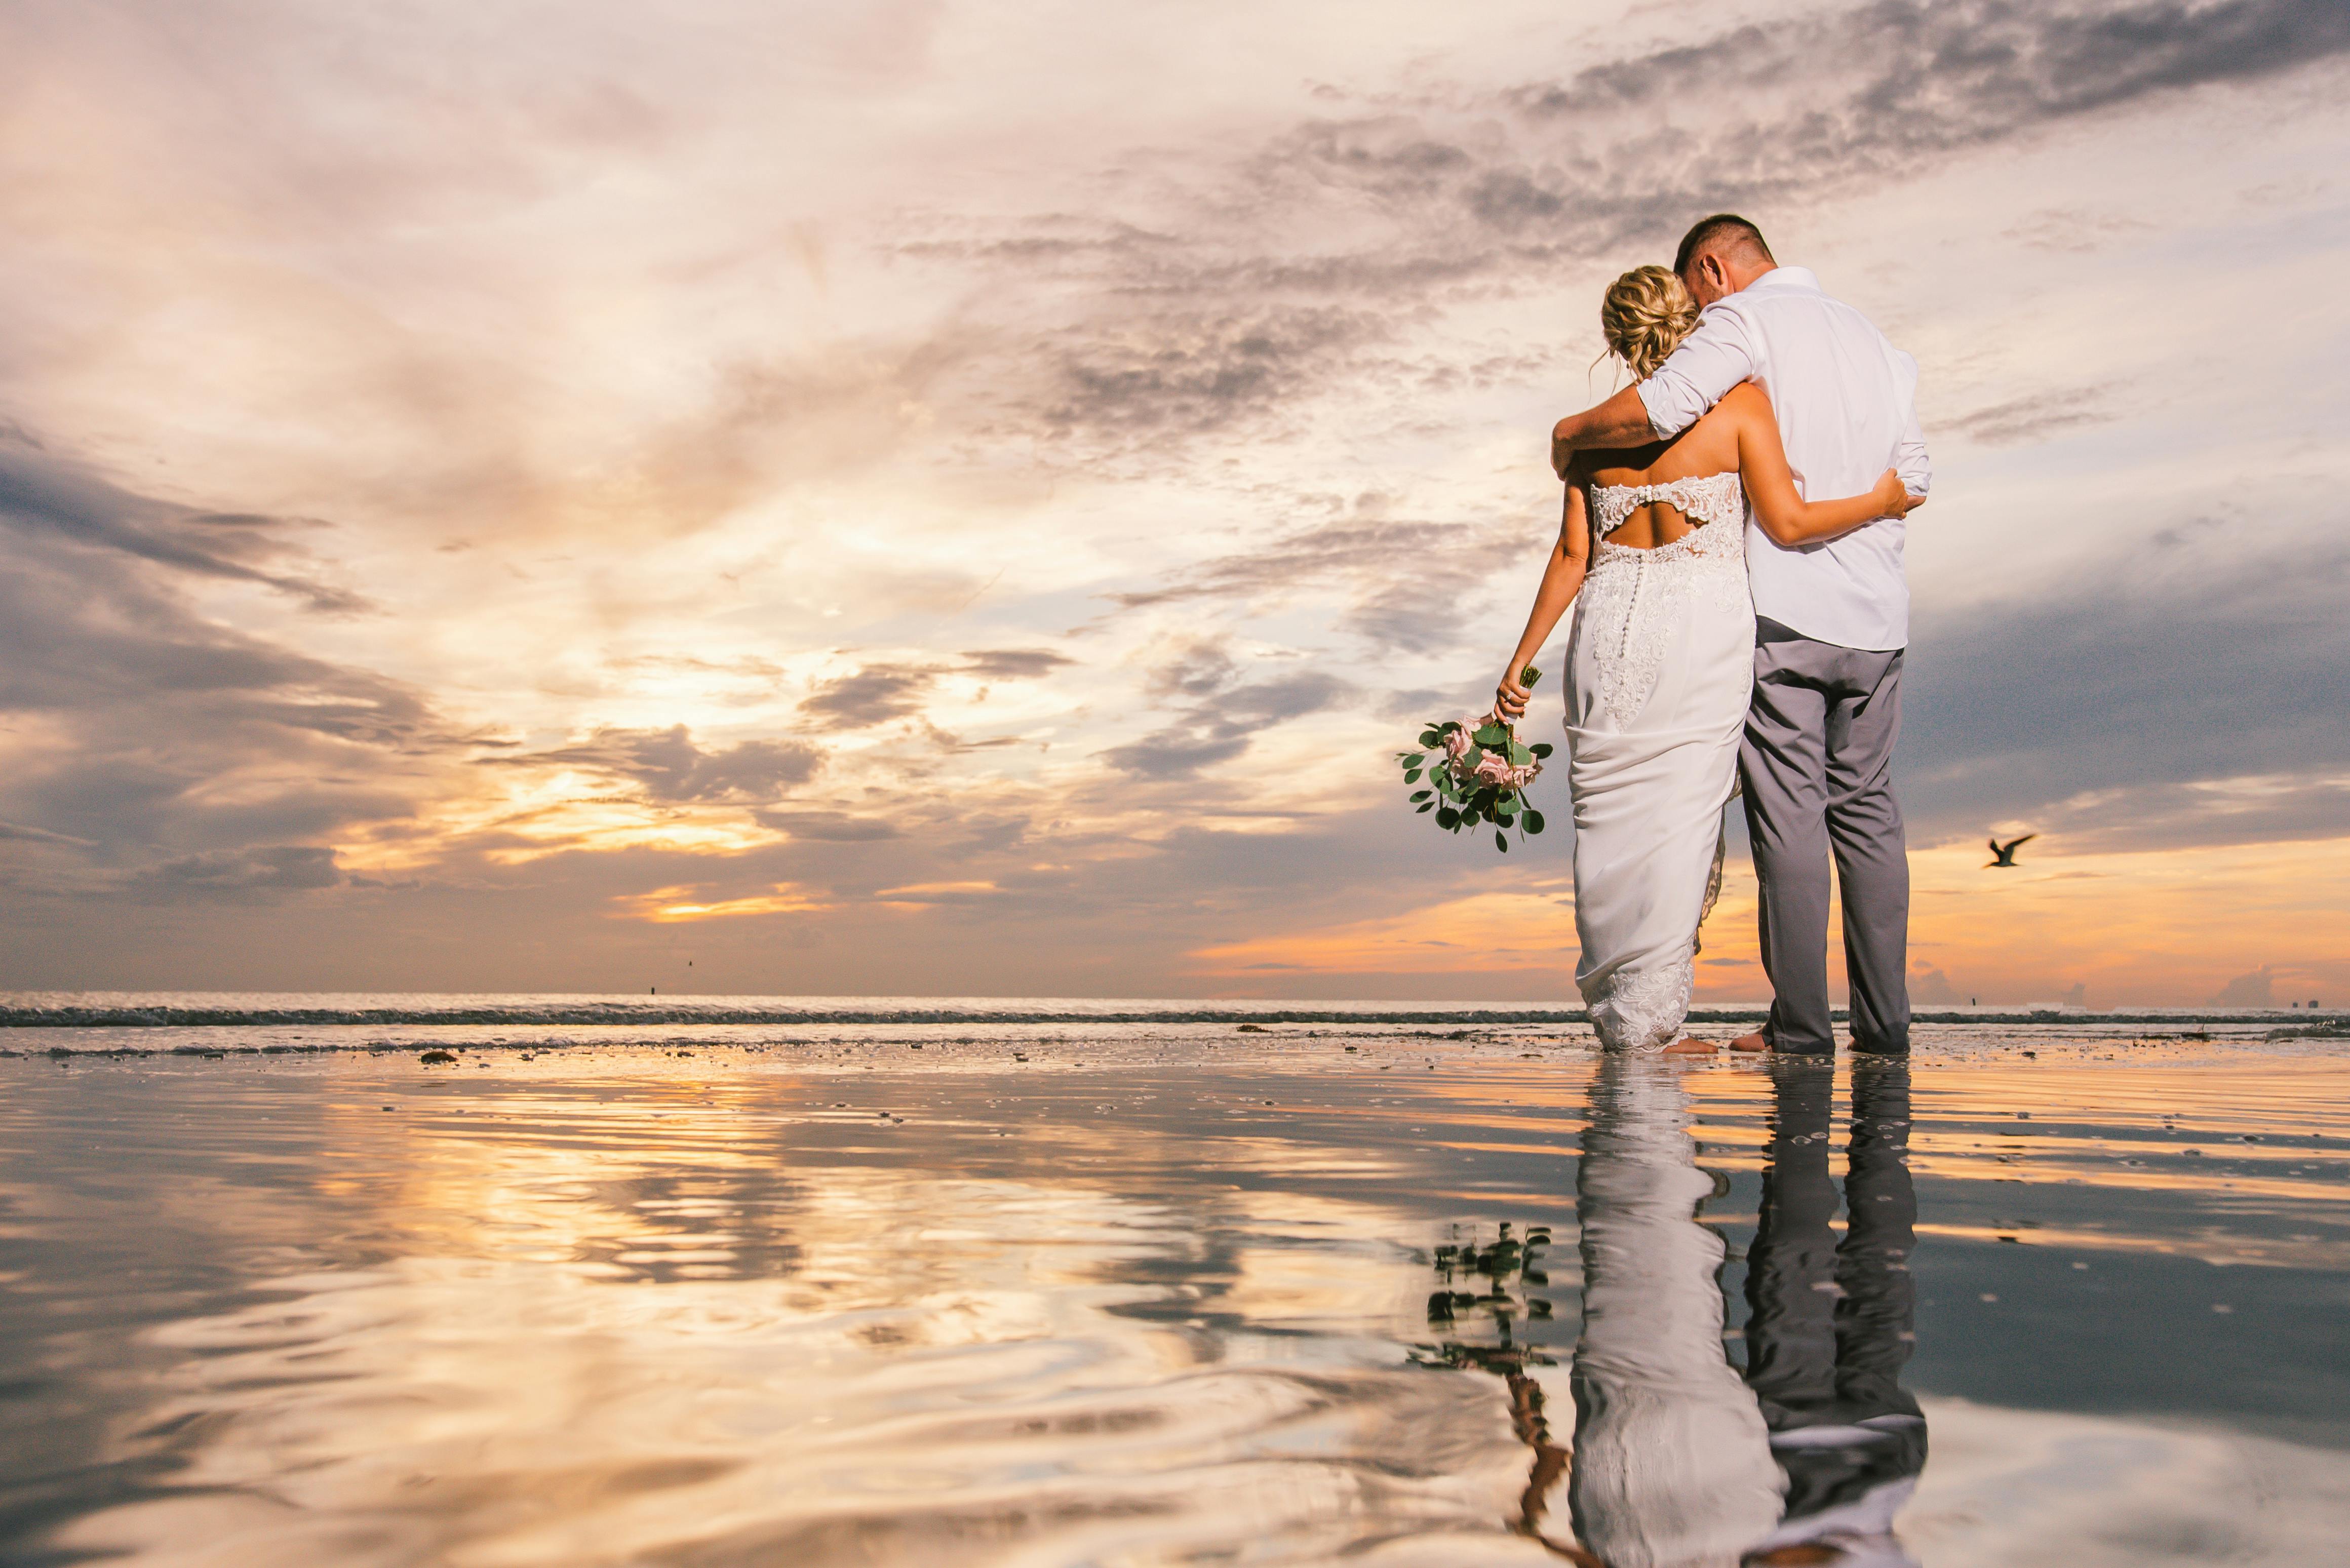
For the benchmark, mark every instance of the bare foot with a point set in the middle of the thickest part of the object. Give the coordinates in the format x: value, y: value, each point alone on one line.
x: 1754, y: 1042
x: 1684, y: 1046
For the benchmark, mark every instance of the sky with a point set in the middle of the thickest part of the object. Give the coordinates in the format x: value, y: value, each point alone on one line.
x: 925, y: 497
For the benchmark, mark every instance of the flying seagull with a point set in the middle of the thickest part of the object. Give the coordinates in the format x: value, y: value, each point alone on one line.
x: 2006, y: 852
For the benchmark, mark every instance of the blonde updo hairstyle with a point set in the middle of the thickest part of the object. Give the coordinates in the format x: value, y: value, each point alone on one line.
x: 1644, y: 317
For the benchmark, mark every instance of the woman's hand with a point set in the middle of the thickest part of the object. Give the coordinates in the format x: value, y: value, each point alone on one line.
x: 1894, y: 496
x: 1509, y: 698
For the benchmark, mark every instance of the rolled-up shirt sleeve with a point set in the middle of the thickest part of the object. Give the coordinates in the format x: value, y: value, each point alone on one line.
x: 1910, y: 459
x: 1916, y: 469
x: 1710, y: 360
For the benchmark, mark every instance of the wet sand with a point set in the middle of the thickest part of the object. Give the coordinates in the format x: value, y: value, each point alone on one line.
x: 1160, y: 1293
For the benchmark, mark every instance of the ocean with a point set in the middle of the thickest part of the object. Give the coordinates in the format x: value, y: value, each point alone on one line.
x: 406, y: 1279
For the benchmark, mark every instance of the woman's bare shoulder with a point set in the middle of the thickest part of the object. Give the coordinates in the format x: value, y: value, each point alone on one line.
x: 1740, y: 402
x: 1714, y: 439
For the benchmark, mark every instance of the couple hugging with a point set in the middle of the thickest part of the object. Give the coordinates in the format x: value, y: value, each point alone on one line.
x: 1735, y: 624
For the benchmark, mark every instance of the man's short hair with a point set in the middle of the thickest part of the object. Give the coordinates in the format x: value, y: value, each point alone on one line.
x: 1721, y: 232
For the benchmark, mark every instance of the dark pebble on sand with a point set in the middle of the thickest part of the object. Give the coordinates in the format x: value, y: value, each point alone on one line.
x: 435, y: 1058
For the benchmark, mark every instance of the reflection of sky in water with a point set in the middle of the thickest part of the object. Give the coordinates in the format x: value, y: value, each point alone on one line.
x: 858, y: 1304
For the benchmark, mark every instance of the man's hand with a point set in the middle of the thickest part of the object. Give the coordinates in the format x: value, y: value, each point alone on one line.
x: 1619, y: 423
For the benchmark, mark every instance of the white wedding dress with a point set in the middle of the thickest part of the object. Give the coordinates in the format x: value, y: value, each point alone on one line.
x: 1660, y: 669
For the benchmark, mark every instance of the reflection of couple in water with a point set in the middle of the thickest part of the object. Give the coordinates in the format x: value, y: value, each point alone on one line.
x: 1678, y: 1462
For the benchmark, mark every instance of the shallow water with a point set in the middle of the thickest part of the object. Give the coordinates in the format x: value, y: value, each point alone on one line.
x: 726, y: 1292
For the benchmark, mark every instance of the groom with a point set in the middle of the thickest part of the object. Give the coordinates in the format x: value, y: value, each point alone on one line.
x: 1832, y: 620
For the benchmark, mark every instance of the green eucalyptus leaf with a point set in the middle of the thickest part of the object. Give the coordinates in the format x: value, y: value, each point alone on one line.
x: 1429, y: 807
x: 1520, y: 755
x: 1501, y: 842
x: 1534, y: 822
x: 1411, y: 775
x: 1421, y: 793
x: 1542, y: 748
x: 1448, y: 818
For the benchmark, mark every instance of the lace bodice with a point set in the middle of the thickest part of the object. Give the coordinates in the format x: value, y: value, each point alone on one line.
x: 1710, y: 498
x: 1635, y: 598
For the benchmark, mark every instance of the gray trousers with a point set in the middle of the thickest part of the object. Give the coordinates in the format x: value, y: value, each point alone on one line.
x: 1816, y: 766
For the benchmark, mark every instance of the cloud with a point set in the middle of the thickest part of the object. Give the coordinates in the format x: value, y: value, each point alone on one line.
x: 1197, y: 372
x: 2056, y: 229
x: 2139, y: 697
x: 1014, y: 663
x: 2032, y: 418
x: 874, y: 695
x: 1824, y: 97
x: 879, y: 693
x: 37, y: 835
x: 2241, y: 808
x: 1401, y: 581
x: 2248, y: 990
x: 268, y: 868
x: 667, y: 766
x: 1177, y: 752
x: 827, y: 826
x: 1930, y: 987
x: 42, y: 494
x: 1213, y: 298
x: 146, y: 727
x: 1223, y: 726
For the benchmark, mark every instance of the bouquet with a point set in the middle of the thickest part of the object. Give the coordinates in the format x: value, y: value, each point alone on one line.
x: 1477, y: 771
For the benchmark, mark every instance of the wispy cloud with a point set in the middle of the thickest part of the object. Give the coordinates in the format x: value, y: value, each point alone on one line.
x: 667, y: 766
x: 1221, y: 295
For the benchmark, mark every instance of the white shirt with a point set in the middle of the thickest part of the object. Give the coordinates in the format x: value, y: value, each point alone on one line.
x: 1847, y: 404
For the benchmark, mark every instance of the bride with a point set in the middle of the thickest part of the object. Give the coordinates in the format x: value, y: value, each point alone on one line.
x: 1661, y: 665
